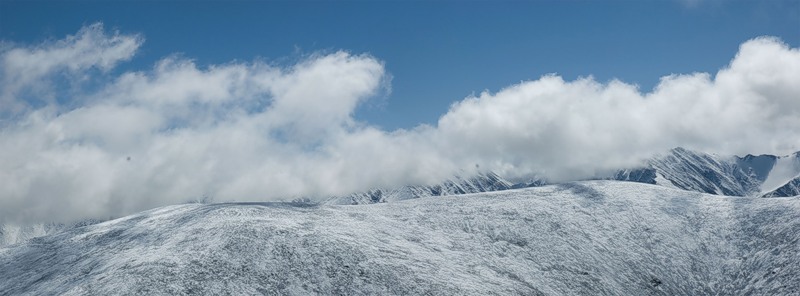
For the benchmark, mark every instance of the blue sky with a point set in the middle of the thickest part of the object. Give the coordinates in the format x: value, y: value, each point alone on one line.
x: 438, y: 52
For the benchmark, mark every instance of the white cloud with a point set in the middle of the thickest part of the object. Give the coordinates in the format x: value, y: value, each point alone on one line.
x: 250, y: 131
x: 320, y: 94
x: 577, y: 129
x: 27, y: 68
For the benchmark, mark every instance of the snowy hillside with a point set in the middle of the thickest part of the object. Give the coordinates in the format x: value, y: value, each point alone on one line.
x: 703, y: 172
x: 733, y: 176
x: 585, y: 238
x: 12, y: 234
x: 15, y: 233
x: 791, y: 188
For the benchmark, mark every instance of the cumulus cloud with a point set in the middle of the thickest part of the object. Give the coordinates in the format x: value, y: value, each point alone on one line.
x: 253, y: 131
x: 25, y: 69
x: 576, y: 129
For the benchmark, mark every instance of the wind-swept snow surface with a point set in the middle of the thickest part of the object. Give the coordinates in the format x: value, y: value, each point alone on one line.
x: 586, y: 238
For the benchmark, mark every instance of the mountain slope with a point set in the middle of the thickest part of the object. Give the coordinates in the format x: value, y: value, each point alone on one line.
x: 12, y: 234
x: 587, y: 238
x: 481, y: 182
x: 758, y: 167
x: 15, y: 233
x: 791, y: 188
x: 703, y: 172
x: 733, y: 176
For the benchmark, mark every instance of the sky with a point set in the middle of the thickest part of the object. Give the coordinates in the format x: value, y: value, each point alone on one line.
x: 107, y: 108
x: 437, y: 52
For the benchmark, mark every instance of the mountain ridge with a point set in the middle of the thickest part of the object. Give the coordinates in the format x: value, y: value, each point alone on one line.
x: 732, y: 176
x: 678, y: 168
x: 457, y: 185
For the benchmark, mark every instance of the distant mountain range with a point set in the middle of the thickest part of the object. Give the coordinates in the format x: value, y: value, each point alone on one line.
x: 481, y: 182
x: 753, y: 176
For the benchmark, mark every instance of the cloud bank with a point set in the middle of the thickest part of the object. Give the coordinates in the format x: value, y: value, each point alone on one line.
x: 251, y: 131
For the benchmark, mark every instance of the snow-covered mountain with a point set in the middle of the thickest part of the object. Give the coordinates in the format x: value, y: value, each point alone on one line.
x: 481, y: 182
x: 585, y: 238
x: 791, y: 188
x: 19, y: 233
x: 763, y: 175
x: 13, y: 233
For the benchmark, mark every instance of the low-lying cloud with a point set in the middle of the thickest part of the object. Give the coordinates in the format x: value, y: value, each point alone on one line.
x: 71, y: 148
